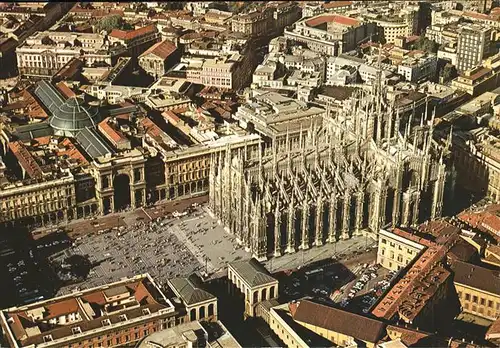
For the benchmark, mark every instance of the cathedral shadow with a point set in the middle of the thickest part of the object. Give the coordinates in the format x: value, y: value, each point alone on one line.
x: 25, y: 274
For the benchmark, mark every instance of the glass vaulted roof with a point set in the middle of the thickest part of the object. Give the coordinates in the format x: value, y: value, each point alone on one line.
x: 68, y: 116
x: 73, y: 115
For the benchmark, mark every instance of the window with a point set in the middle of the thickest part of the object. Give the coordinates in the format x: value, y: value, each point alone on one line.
x: 490, y: 304
x: 474, y: 299
x: 76, y: 330
x: 146, y: 311
x: 106, y: 322
x: 47, y: 338
x: 467, y: 297
x: 483, y: 302
x: 123, y: 317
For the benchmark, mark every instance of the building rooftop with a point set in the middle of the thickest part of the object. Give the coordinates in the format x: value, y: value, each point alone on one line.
x: 254, y: 273
x: 161, y: 49
x: 132, y: 34
x: 214, y: 333
x: 191, y: 333
x: 337, y: 320
x: 67, y: 115
x: 71, y: 317
x: 476, y: 277
x: 190, y: 290
x: 93, y: 143
x: 420, y: 283
x: 322, y: 19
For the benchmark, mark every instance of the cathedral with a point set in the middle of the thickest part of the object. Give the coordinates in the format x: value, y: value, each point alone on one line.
x: 360, y: 168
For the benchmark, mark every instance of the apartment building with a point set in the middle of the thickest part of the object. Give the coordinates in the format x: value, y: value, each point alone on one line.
x: 230, y: 71
x: 394, y: 24
x: 477, y: 161
x: 477, y: 81
x: 473, y: 45
x: 331, y: 34
x: 478, y: 289
x: 136, y: 41
x: 119, y: 313
x: 417, y: 66
x: 366, y: 71
x: 46, y: 52
x: 257, y: 23
x: 397, y: 248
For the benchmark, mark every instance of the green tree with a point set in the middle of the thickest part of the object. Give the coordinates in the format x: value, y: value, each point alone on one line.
x: 424, y: 44
x: 113, y: 22
x: 109, y: 23
x: 449, y: 72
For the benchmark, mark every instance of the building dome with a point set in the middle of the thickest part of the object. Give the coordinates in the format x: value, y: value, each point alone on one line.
x: 72, y: 116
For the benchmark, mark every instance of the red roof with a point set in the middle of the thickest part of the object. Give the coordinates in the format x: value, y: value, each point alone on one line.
x: 171, y: 117
x: 111, y: 133
x: 477, y: 15
x: 26, y: 160
x: 161, y: 49
x: 151, y: 128
x: 492, y: 222
x: 99, y: 13
x: 63, y: 307
x: 65, y: 90
x: 132, y: 34
x: 343, y: 20
x: 335, y: 4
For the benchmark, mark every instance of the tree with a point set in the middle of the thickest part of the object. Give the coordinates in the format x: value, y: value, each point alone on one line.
x: 424, y: 44
x: 109, y: 23
x: 113, y: 22
x: 449, y: 72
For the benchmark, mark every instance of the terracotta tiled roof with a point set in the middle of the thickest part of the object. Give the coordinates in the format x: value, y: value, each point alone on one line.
x: 99, y: 13
x: 412, y: 237
x: 476, y: 277
x: 337, y: 320
x: 409, y: 295
x: 161, y: 49
x: 132, y: 34
x: 26, y: 160
x: 476, y: 15
x: 72, y: 152
x: 409, y: 337
x: 343, y: 20
x: 111, y: 133
x: 65, y: 307
x: 144, y: 294
x: 494, y: 330
x: 492, y: 222
x: 65, y: 90
x: 171, y: 116
x: 151, y: 128
x: 335, y: 4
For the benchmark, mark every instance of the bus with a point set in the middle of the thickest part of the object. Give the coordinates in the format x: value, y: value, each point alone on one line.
x: 314, y: 273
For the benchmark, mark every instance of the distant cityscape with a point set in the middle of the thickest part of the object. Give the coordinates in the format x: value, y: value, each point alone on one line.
x: 250, y: 174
